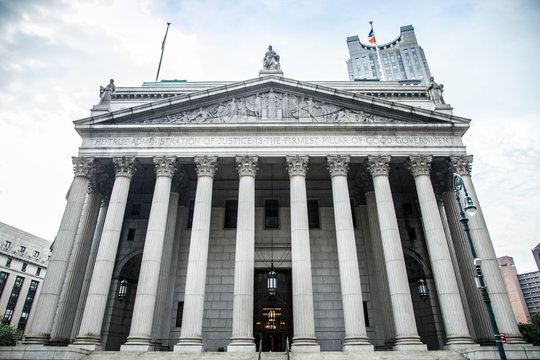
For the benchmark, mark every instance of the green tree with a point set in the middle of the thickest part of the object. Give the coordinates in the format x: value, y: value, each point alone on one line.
x: 531, y: 332
x: 8, y: 335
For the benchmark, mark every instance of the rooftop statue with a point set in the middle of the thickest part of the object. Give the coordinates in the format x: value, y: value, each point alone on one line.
x: 106, y: 92
x: 434, y: 91
x: 271, y: 60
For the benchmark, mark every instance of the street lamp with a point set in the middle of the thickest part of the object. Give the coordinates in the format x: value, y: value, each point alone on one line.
x: 122, y: 290
x: 272, y: 281
x: 458, y: 185
x: 422, y: 289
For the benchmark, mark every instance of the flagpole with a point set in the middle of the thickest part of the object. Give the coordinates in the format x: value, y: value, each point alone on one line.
x: 378, y: 53
x: 162, y: 51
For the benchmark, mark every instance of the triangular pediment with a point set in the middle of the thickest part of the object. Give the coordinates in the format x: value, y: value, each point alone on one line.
x: 271, y: 99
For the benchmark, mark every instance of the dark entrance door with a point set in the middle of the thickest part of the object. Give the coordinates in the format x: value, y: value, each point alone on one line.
x: 273, y: 313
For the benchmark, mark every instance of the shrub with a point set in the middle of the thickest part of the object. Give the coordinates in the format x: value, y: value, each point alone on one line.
x: 531, y: 332
x: 8, y: 335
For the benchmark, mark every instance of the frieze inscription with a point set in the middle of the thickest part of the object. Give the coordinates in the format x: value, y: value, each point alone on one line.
x: 242, y: 141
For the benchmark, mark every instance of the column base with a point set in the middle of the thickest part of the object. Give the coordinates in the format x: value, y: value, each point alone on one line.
x: 59, y: 342
x: 191, y: 345
x: 42, y: 339
x: 515, y: 339
x: 241, y: 345
x: 305, y: 345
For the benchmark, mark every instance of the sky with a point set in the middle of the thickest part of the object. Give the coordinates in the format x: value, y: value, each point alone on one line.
x: 55, y: 54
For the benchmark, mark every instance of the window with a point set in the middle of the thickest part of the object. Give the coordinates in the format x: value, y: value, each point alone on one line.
x: 366, y: 317
x: 22, y: 249
x: 271, y: 214
x: 28, y: 305
x: 131, y: 234
x: 36, y: 253
x: 313, y: 214
x: 353, y: 214
x: 231, y: 214
x: 3, y: 280
x: 136, y: 209
x: 23, y: 268
x: 179, y: 314
x: 7, y: 244
x: 38, y: 271
x: 13, y: 300
x: 8, y: 262
x: 190, y: 213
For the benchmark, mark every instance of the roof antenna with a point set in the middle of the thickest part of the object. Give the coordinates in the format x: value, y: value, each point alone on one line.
x: 162, y: 50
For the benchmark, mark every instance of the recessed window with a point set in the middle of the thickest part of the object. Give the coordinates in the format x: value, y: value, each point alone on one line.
x: 313, y: 214
x: 3, y: 279
x: 190, y: 214
x: 22, y: 249
x: 136, y: 209
x: 36, y: 253
x: 179, y: 313
x: 131, y: 234
x: 366, y: 317
x: 231, y: 213
x: 412, y: 233
x: 38, y: 271
x: 7, y: 244
x: 353, y: 214
x: 271, y: 214
x: 8, y: 262
x: 23, y: 268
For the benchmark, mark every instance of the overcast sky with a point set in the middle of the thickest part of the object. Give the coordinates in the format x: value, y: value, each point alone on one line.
x: 54, y: 55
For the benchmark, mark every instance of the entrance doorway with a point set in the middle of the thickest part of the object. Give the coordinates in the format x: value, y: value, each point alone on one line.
x: 273, y: 313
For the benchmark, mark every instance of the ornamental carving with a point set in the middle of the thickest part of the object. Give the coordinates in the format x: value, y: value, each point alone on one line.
x: 270, y: 106
x: 247, y: 165
x: 165, y: 165
x: 378, y: 165
x: 338, y: 164
x: 125, y: 166
x: 297, y: 165
x: 461, y: 164
x: 420, y: 165
x: 205, y: 165
x: 83, y: 166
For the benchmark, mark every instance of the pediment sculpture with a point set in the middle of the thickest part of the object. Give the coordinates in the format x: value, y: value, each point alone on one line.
x: 270, y: 106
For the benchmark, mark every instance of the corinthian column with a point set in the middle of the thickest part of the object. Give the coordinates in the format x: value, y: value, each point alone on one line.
x: 191, y: 336
x: 351, y: 292
x: 47, y: 303
x: 140, y: 333
x: 304, y: 322
x: 67, y: 305
x: 484, y: 249
x: 400, y: 296
x: 89, y: 336
x: 455, y: 323
x: 242, y: 326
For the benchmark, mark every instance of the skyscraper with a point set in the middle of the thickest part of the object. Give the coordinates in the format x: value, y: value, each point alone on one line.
x: 401, y: 58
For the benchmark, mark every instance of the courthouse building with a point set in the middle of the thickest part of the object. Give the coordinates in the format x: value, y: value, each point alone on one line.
x: 240, y: 216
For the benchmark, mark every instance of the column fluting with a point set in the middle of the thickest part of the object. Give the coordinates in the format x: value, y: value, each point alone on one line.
x: 140, y: 333
x: 406, y: 334
x: 191, y: 336
x: 502, y: 307
x: 45, y: 310
x: 242, y: 324
x: 455, y: 323
x: 351, y: 291
x: 90, y: 330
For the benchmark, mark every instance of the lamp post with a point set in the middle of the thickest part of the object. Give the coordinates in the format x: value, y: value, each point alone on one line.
x: 458, y: 185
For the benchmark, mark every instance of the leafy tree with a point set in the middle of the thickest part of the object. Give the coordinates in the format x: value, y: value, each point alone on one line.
x: 8, y: 335
x: 531, y: 332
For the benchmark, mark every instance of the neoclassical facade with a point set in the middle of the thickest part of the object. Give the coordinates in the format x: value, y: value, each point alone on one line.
x: 238, y: 216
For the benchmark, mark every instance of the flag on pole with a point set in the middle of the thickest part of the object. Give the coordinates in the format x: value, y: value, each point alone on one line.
x: 371, y: 36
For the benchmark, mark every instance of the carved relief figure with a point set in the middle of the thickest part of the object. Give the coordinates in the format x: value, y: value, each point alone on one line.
x: 435, y: 91
x: 106, y: 92
x: 271, y: 60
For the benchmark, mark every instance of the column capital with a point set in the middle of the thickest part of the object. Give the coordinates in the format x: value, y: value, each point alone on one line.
x: 83, y: 166
x: 461, y: 164
x: 338, y: 164
x: 125, y: 166
x: 165, y: 165
x: 205, y: 165
x: 297, y: 165
x: 247, y: 165
x: 378, y: 165
x: 420, y: 164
